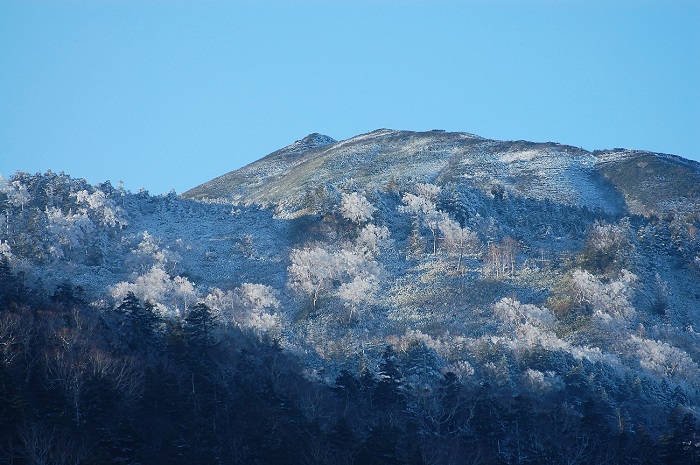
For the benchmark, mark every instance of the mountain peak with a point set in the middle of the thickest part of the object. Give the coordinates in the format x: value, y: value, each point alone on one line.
x: 313, y: 141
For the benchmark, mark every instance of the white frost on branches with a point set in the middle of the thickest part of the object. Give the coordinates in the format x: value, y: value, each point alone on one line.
x: 356, y: 208
x: 5, y: 250
x: 70, y: 230
x: 542, y: 382
x: 605, y: 237
x: 259, y: 302
x: 371, y: 240
x: 350, y: 272
x: 149, y: 253
x: 611, y: 301
x: 664, y: 360
x: 457, y: 240
x: 527, y: 326
x: 169, y: 295
x: 104, y: 209
x: 17, y: 193
x: 250, y: 306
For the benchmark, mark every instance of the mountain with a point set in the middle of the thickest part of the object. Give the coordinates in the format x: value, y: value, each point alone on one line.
x: 397, y: 297
x: 618, y: 180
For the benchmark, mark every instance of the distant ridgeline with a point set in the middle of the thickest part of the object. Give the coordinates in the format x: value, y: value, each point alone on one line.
x: 397, y: 297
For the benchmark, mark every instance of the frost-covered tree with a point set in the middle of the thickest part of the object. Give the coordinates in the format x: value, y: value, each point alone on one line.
x: 106, y: 212
x: 500, y: 257
x: 222, y: 303
x: 5, y: 250
x: 664, y: 360
x: 612, y: 299
x: 249, y: 306
x: 605, y: 245
x: 526, y: 326
x: 149, y: 252
x: 356, y: 208
x: 71, y: 230
x: 458, y: 240
x: 360, y: 290
x: 184, y: 291
x: 542, y: 382
x: 344, y: 271
x: 371, y: 240
x: 422, y: 206
x: 312, y: 272
x: 613, y: 315
x: 258, y: 302
x: 168, y: 295
x: 17, y: 193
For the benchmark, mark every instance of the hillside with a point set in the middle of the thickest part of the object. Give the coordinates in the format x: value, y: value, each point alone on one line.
x: 397, y: 297
x: 560, y: 173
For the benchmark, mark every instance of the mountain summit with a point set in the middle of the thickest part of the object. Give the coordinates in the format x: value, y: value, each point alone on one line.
x: 613, y: 180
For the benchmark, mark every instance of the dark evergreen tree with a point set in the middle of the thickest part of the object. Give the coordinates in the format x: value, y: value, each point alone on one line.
x: 389, y: 391
x: 199, y: 326
x: 139, y: 322
x: 682, y: 444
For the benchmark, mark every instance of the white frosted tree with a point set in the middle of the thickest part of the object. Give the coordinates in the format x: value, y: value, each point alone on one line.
x: 5, y: 250
x: 501, y: 257
x: 608, y: 300
x: 149, y: 252
x: 422, y: 207
x: 342, y: 272
x: 222, y: 303
x: 249, y: 306
x: 312, y: 272
x: 257, y: 297
x: 665, y: 360
x: 526, y: 326
x: 168, y: 295
x: 613, y: 315
x: 17, y: 194
x: 371, y: 240
x: 356, y: 208
x: 184, y: 291
x: 604, y: 237
x: 458, y: 241
x: 358, y: 291
x: 542, y: 382
x: 71, y: 230
x: 104, y: 209
x: 258, y: 302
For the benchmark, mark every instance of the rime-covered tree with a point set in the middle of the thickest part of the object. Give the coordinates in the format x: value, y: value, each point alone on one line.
x: 356, y: 208
x: 312, y: 272
x: 458, y: 240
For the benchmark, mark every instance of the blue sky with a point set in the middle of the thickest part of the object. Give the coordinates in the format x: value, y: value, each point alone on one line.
x: 169, y: 94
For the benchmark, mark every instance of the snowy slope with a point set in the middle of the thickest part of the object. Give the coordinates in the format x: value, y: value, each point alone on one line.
x: 536, y: 170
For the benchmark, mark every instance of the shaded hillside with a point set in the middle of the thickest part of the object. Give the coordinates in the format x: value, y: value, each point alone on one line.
x: 653, y: 183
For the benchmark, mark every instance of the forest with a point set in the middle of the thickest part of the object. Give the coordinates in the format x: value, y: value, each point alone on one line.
x: 133, y: 387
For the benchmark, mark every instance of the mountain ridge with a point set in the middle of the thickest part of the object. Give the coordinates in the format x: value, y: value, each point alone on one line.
x: 559, y: 172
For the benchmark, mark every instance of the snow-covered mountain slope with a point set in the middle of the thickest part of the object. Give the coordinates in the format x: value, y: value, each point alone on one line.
x: 254, y: 177
x: 560, y: 173
x: 532, y: 267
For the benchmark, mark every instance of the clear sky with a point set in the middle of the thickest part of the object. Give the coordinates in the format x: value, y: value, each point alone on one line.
x: 169, y: 94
